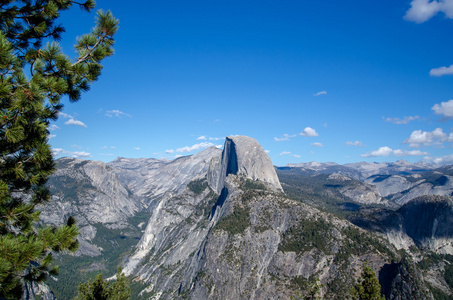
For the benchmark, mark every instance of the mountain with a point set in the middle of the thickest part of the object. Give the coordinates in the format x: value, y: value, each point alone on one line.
x: 363, y: 170
x: 228, y: 224
x: 233, y: 232
x: 426, y: 221
x: 152, y: 178
x: 403, y: 188
x: 93, y: 193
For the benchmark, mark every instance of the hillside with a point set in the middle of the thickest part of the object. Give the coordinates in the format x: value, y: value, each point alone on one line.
x: 228, y: 223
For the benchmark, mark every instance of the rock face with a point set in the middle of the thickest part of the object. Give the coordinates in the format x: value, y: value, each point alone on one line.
x: 363, y: 170
x: 92, y: 192
x: 243, y: 156
x: 152, y: 178
x: 426, y: 222
x: 219, y: 226
x: 231, y: 231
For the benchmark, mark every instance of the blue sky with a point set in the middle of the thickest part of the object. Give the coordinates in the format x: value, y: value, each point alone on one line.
x: 340, y: 81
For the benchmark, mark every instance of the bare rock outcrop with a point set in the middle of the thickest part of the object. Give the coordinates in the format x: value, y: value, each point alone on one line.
x: 243, y: 156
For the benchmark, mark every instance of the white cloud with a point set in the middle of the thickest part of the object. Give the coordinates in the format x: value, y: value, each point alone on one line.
x: 116, y: 113
x: 80, y: 154
x: 137, y: 148
x: 203, y: 138
x: 285, y: 137
x: 404, y: 120
x: 382, y: 151
x: 441, y: 71
x: 76, y: 154
x: 321, y: 93
x: 169, y: 151
x: 399, y: 152
x: 75, y: 122
x: 57, y: 151
x: 289, y: 153
x: 308, y: 131
x: 355, y: 144
x: 423, y: 10
x: 51, y: 136
x: 64, y: 115
x: 53, y: 127
x: 443, y: 160
x: 76, y: 146
x: 317, y: 144
x: 267, y: 151
x: 444, y: 108
x: 428, y: 138
x: 195, y: 147
x: 386, y: 151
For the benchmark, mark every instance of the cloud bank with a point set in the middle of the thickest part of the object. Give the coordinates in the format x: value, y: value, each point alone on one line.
x: 444, y: 109
x: 75, y: 122
x: 308, y: 131
x: 428, y: 138
x: 355, y: 144
x: 116, y: 113
x: 284, y: 138
x: 386, y: 151
x: 75, y: 154
x: 423, y: 10
x: 404, y: 120
x: 441, y: 71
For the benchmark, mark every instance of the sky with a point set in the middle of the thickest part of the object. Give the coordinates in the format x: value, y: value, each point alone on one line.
x: 326, y: 80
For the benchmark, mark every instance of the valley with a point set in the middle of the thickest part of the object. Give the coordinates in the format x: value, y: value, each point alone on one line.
x: 230, y: 223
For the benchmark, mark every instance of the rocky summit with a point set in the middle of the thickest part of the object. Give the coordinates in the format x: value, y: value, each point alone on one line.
x: 227, y: 224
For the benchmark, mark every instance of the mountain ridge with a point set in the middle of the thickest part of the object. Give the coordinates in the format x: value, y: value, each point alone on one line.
x: 219, y: 223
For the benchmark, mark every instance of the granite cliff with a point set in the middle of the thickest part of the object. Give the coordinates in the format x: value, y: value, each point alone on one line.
x: 221, y: 223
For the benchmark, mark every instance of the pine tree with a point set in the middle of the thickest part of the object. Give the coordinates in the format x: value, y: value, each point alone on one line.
x: 33, y: 80
x: 367, y: 287
x: 100, y: 289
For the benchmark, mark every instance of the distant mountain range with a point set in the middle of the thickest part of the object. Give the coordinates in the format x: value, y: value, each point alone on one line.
x: 229, y: 225
x: 362, y: 170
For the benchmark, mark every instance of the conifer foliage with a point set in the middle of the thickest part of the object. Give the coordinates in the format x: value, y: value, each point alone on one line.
x: 34, y: 76
x: 367, y: 287
x: 100, y: 289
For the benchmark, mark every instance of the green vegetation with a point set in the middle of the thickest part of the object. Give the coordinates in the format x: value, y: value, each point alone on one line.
x: 136, y: 288
x: 34, y: 78
x: 205, y: 208
x: 197, y: 186
x: 100, y: 289
x: 115, y: 244
x: 359, y: 242
x: 308, y: 234
x: 236, y: 222
x: 438, y: 294
x: 367, y: 287
x: 432, y: 261
x: 313, y: 191
x: 253, y: 185
x: 311, y: 288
